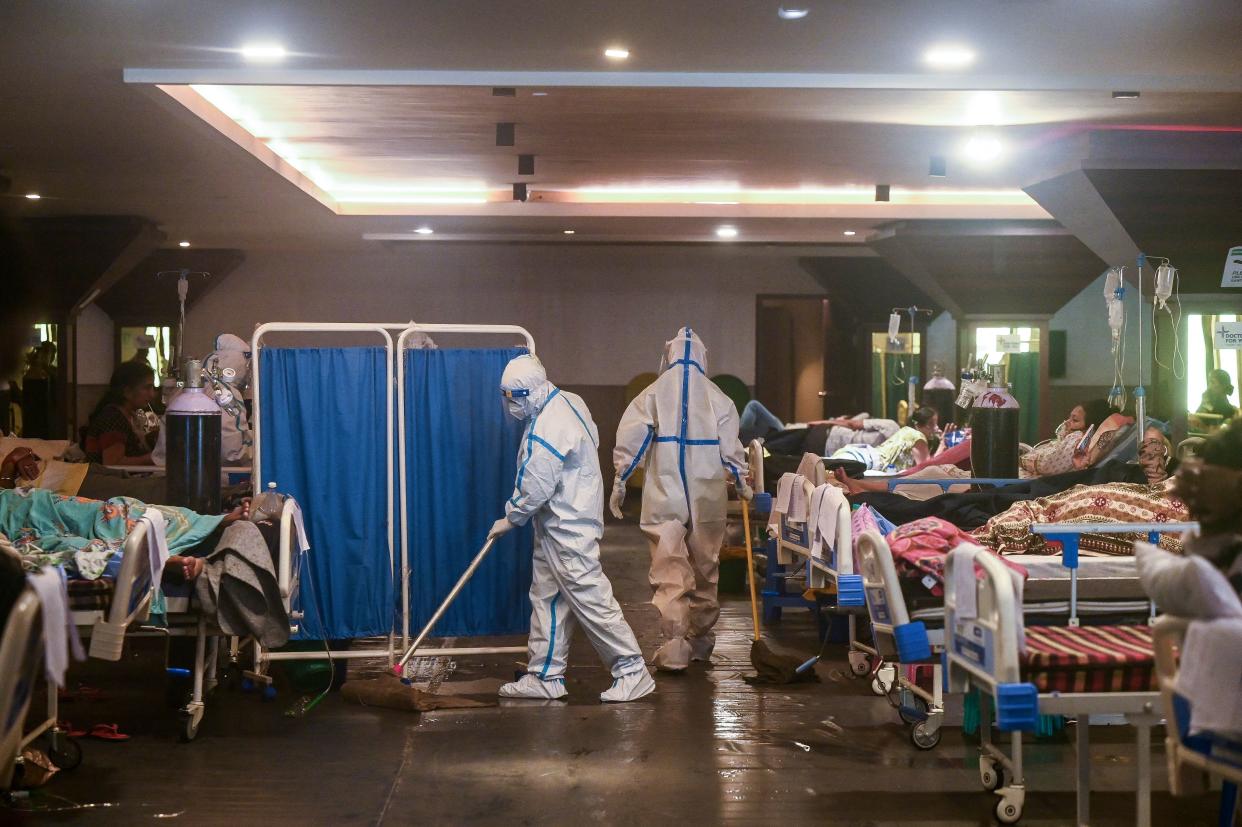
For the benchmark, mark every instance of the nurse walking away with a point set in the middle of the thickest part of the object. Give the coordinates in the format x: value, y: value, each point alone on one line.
x: 559, y: 488
x: 684, y: 431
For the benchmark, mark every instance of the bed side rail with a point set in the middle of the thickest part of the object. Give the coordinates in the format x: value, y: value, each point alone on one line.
x: 21, y: 652
x: 946, y: 483
x: 896, y: 638
x: 131, y: 597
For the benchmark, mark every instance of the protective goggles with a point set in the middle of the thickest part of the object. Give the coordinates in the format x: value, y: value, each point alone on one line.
x: 516, y: 393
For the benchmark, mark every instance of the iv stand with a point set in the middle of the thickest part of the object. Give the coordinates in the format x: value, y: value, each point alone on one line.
x: 912, y: 380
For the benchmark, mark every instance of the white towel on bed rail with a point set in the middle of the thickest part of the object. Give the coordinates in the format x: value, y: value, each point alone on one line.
x: 60, y: 634
x: 965, y: 594
x: 298, y: 525
x: 829, y: 520
x: 790, y: 499
x: 1210, y: 675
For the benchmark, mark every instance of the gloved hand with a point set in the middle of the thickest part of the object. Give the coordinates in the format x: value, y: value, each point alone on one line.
x: 499, y: 528
x: 617, y: 499
x: 744, y: 490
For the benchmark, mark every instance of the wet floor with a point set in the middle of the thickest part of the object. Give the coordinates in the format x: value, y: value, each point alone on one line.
x: 707, y: 748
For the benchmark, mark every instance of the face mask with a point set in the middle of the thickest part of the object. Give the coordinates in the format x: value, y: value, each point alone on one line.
x: 514, y: 409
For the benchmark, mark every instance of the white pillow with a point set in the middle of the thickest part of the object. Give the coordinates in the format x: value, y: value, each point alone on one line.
x: 1187, y: 586
x: 44, y: 448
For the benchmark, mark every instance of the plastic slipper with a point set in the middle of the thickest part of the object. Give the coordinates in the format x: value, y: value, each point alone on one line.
x: 108, y: 732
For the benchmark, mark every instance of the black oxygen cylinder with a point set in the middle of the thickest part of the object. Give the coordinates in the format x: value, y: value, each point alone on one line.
x: 193, y: 423
x: 994, y: 434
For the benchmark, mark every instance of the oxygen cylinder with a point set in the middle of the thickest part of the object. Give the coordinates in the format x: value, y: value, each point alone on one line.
x: 994, y: 432
x: 193, y: 425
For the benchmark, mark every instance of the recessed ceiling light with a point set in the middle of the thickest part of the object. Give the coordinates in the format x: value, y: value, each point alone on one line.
x: 539, y: 94
x: 726, y: 232
x: 849, y: 232
x: 569, y: 232
x: 33, y: 196
x: 949, y: 57
x: 616, y: 53
x: 263, y: 52
x: 424, y: 231
x: 1125, y: 96
x: 183, y: 244
x: 983, y: 149
x: 791, y: 14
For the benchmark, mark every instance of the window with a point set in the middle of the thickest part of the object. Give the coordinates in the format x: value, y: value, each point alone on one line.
x: 1202, y: 357
x: 156, y: 341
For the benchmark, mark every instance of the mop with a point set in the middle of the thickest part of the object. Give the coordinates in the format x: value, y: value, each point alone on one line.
x: 771, y: 666
x: 395, y: 692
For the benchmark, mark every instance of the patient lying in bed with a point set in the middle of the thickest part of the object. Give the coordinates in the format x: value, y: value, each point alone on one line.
x: 85, y: 536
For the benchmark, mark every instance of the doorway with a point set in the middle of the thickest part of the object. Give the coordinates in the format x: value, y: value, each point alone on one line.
x: 791, y: 341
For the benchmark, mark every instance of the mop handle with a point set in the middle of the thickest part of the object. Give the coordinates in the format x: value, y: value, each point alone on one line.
x: 750, y: 568
x: 461, y: 582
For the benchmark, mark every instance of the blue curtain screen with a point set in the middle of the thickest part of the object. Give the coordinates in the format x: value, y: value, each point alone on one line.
x: 461, y: 454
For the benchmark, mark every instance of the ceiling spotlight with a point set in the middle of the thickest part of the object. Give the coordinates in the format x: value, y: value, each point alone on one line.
x: 937, y: 166
x: 263, y: 52
x: 726, y: 232
x: 1125, y: 96
x: 949, y: 57
x: 616, y: 53
x: 569, y: 232
x: 33, y: 196
x: 424, y: 231
x: 791, y: 14
x: 183, y: 244
x: 539, y: 94
x: 883, y: 192
x: 982, y: 149
x: 849, y: 232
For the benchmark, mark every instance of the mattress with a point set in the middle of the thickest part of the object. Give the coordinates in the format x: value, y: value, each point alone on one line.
x: 1099, y: 578
x: 1089, y: 658
x: 1035, y: 611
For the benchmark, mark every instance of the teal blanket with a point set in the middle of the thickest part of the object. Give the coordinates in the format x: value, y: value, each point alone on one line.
x: 84, y: 535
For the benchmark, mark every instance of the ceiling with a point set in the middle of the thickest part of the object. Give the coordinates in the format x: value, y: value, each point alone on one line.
x: 719, y: 101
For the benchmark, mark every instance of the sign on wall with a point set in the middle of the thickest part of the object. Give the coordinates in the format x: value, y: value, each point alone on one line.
x: 1233, y: 269
x: 1228, y: 335
x: 1009, y: 342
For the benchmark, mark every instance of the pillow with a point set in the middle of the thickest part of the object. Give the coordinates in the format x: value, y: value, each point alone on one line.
x: 45, y: 448
x: 1186, y: 586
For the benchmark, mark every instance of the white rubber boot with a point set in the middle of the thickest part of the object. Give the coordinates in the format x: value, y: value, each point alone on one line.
x: 531, y: 687
x: 631, y: 687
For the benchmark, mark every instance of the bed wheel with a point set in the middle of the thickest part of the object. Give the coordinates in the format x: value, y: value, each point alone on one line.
x: 247, y: 685
x: 64, y: 752
x: 269, y: 692
x: 990, y: 775
x: 860, y: 664
x: 923, y: 736
x: 1007, y: 812
x: 1009, y: 806
x: 885, y: 680
x: 191, y: 716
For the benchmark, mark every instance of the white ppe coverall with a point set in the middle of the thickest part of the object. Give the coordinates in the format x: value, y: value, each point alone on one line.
x: 683, y: 430
x: 559, y: 489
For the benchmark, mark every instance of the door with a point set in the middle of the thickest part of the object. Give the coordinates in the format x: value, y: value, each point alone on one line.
x: 791, y: 367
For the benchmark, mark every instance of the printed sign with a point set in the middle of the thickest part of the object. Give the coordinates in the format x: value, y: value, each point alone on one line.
x: 1009, y: 342
x: 1233, y: 269
x: 1228, y: 335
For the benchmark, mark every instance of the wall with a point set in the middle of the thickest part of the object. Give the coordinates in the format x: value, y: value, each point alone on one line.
x: 1088, y: 342
x: 599, y: 314
x: 96, y: 358
x: 941, y: 346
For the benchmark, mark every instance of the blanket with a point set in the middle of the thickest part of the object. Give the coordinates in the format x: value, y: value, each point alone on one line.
x: 238, y: 587
x: 83, y: 536
x: 921, y: 548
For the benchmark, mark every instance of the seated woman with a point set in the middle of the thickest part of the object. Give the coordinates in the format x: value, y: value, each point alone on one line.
x: 112, y: 436
x: 1056, y: 455
x: 1215, y: 408
x: 903, y: 450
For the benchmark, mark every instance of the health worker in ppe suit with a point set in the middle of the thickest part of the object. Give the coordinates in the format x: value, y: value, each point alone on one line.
x: 560, y: 490
x: 683, y: 431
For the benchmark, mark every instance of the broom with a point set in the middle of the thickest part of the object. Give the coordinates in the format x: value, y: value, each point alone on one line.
x: 771, y: 666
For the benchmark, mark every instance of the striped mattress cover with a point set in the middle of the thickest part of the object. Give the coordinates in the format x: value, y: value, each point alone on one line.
x: 1089, y: 658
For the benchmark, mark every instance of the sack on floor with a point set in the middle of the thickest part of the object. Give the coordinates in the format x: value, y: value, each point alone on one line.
x: 774, y: 666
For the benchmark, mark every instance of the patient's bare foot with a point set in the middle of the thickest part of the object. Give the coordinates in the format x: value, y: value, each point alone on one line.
x: 183, y: 569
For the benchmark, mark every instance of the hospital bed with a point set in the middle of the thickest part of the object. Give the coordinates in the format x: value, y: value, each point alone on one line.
x: 1191, y: 757
x: 1072, y: 670
x: 21, y: 654
x: 108, y: 610
x: 826, y: 566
